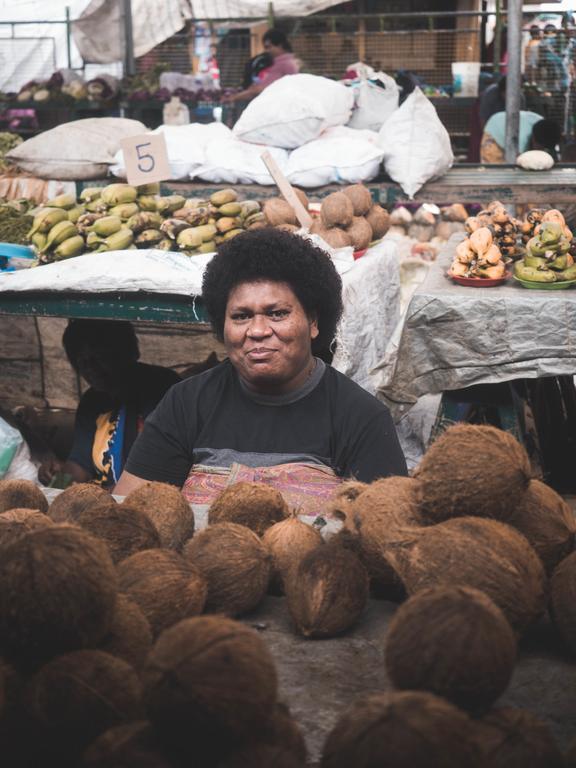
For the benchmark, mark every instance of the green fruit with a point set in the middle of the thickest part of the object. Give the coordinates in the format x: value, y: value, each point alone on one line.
x: 559, y: 263
x: 207, y: 247
x: 550, y: 233
x: 533, y: 275
x: 567, y: 274
x: 230, y: 209
x: 536, y: 247
x: 537, y: 262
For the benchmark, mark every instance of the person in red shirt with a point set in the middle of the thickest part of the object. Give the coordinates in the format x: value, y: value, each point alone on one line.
x: 283, y: 63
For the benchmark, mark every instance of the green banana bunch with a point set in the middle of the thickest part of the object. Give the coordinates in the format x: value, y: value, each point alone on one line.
x: 167, y: 205
x: 165, y: 244
x: 149, y: 189
x: 119, y: 241
x: 173, y: 227
x: 73, y: 246
x: 194, y: 217
x: 147, y: 203
x: 535, y: 262
x: 62, y: 201
x: 46, y: 218
x: 248, y: 208
x: 124, y: 210
x: 230, y: 209
x: 74, y: 213
x: 148, y: 238
x: 550, y: 233
x: 93, y: 241
x: 86, y: 221
x: 116, y: 194
x: 223, y: 196
x: 189, y: 238
x: 567, y: 274
x: 107, y: 225
x: 560, y: 262
x: 59, y: 233
x: 533, y: 275
x: 144, y: 220
x: 89, y: 194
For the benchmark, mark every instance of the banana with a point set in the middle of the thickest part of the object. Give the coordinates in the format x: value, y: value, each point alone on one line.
x: 89, y: 194
x: 59, y: 233
x: 86, y: 221
x: 535, y: 262
x: 207, y: 232
x: 147, y: 203
x: 550, y: 233
x: 189, y: 238
x: 46, y: 218
x: 193, y: 216
x: 107, y: 225
x: 249, y: 207
x: 253, y: 218
x: 207, y: 247
x: 223, y: 196
x: 93, y: 240
x: 167, y: 205
x: 115, y: 194
x: 75, y: 213
x: 124, y: 210
x: 533, y: 275
x: 119, y: 241
x: 232, y: 233
x: 149, y: 238
x: 559, y: 263
x: 230, y: 209
x: 173, y: 227
x: 144, y: 220
x: 536, y: 247
x: 195, y: 202
x: 61, y: 201
x: 38, y: 240
x: 165, y: 244
x: 148, y: 189
x: 73, y: 246
x: 96, y: 206
x: 567, y: 274
x: 225, y: 224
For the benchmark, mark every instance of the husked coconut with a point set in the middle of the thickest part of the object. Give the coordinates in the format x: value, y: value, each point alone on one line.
x: 407, y: 729
x: 288, y: 228
x: 210, y: 685
x: 547, y: 522
x: 164, y: 585
x: 76, y: 697
x: 69, y: 505
x: 454, y: 642
x: 57, y: 594
x: 255, y: 505
x: 336, y: 210
x: 401, y: 217
x: 334, y: 237
x: 454, y: 479
x: 278, y: 211
x: 360, y: 233
x: 327, y: 591
x: 16, y: 523
x: 124, y: 530
x: 360, y: 197
x: 168, y: 510
x: 472, y: 552
x: 515, y: 738
x: 130, y: 745
x: 379, y: 220
x: 129, y: 636
x: 289, y: 541
x: 21, y: 494
x: 236, y: 565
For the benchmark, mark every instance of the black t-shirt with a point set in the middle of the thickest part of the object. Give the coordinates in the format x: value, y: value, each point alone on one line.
x: 106, y: 426
x: 212, y: 419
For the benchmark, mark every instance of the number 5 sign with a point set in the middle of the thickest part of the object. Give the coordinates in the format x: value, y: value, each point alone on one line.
x: 146, y: 158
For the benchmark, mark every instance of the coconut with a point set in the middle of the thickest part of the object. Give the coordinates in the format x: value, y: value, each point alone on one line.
x: 278, y: 211
x: 255, y: 505
x: 125, y: 530
x: 563, y: 600
x: 288, y: 542
x: 262, y: 756
x: 76, y: 697
x: 379, y: 220
x: 302, y: 196
x: 21, y: 494
x: 336, y: 210
x: 472, y: 470
x: 129, y: 637
x: 335, y: 237
x: 401, y: 217
x: 360, y: 233
x: 454, y: 642
x: 57, y: 594
x: 130, y: 745
x: 236, y: 565
x: 69, y: 505
x: 547, y: 522
x: 287, y: 228
x: 327, y: 591
x: 360, y: 197
x: 210, y: 684
x: 516, y: 738
x: 408, y: 729
x: 168, y: 510
x: 16, y: 523
x: 15, y: 731
x: 472, y: 552
x: 165, y: 586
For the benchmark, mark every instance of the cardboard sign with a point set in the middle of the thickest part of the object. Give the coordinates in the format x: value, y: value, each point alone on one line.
x: 146, y: 159
x: 287, y: 190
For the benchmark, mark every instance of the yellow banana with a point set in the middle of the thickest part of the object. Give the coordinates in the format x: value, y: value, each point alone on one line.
x: 93, y: 240
x: 169, y: 204
x: 96, y: 206
x: 89, y: 194
x: 149, y: 238
x: 189, y: 238
x: 119, y: 241
x: 124, y: 210
x: 73, y: 246
x: 62, y: 201
x: 225, y: 224
x: 149, y: 189
x: 147, y: 203
x: 223, y: 196
x: 208, y: 247
x: 59, y: 233
x: 144, y: 220
x: 107, y: 225
x: 115, y: 194
x: 46, y: 219
x: 232, y: 233
x: 75, y: 213
x: 38, y: 240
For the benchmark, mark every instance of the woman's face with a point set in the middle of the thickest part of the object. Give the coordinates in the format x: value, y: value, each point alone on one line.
x: 268, y: 336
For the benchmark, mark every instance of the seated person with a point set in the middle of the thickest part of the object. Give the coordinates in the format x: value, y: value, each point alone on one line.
x: 534, y: 133
x: 122, y: 393
x: 274, y: 412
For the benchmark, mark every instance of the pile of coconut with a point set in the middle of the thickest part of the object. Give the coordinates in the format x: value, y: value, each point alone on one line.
x: 346, y: 218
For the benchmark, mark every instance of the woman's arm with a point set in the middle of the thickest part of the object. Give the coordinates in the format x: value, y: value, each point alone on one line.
x: 128, y: 482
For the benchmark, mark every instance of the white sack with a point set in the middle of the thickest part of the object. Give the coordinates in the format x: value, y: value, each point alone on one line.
x: 294, y: 110
x: 535, y: 160
x: 186, y: 147
x: 230, y: 161
x: 416, y: 145
x: 339, y: 156
x: 82, y: 149
x: 373, y: 103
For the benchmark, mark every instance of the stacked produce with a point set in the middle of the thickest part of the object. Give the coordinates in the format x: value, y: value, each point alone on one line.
x: 478, y: 256
x: 548, y: 258
x: 15, y: 221
x: 503, y: 227
x: 121, y: 216
x: 7, y: 142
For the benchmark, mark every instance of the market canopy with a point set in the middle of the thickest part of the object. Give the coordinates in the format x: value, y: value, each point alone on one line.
x: 240, y: 9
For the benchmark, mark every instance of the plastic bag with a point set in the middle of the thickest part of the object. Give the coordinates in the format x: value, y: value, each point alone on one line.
x: 373, y: 104
x: 10, y: 441
x: 22, y: 467
x: 229, y: 161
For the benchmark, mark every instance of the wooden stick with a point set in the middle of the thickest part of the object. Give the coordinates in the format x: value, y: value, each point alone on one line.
x: 287, y: 190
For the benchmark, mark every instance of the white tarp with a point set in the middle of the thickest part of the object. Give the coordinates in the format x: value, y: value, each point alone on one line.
x: 239, y: 9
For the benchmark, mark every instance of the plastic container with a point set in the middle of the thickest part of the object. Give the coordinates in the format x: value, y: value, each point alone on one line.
x: 465, y: 77
x: 15, y: 257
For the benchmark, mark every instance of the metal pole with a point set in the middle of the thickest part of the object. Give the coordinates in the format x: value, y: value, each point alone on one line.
x: 129, y: 63
x: 513, y: 79
x: 497, y: 39
x: 68, y: 42
x: 271, y: 15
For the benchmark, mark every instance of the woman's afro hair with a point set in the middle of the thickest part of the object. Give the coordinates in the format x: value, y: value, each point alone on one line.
x: 271, y: 254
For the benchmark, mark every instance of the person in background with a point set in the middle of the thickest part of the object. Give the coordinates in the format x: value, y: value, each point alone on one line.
x: 535, y: 133
x: 122, y: 392
x: 284, y: 62
x: 492, y: 100
x: 532, y: 55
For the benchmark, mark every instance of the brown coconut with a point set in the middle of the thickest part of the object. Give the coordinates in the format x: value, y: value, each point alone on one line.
x: 236, y: 565
x: 262, y: 756
x: 76, y: 697
x: 472, y: 552
x: 210, y: 685
x: 71, y: 503
x: 21, y: 494
x: 168, y: 510
x: 165, y: 586
x: 327, y: 591
x: 563, y: 600
x: 278, y: 211
x: 360, y: 233
x: 360, y: 197
x: 334, y: 237
x: 379, y: 220
x: 336, y: 210
x: 472, y: 470
x: 407, y: 729
x: 547, y: 522
x: 255, y: 505
x: 16, y: 523
x: 125, y: 530
x: 130, y: 745
x: 302, y: 196
x: 288, y: 228
x: 515, y: 738
x: 289, y: 542
x: 129, y: 637
x: 454, y: 642
x: 57, y: 593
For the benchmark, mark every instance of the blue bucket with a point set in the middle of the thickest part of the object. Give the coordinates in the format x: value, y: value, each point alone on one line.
x: 15, y: 257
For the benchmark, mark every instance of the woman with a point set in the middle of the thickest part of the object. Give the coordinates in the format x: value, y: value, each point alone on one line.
x: 272, y: 412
